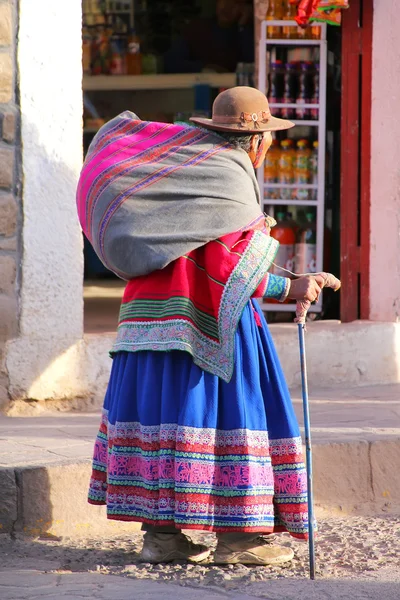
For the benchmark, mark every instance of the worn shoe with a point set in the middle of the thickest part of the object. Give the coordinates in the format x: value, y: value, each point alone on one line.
x: 253, y: 551
x: 165, y: 547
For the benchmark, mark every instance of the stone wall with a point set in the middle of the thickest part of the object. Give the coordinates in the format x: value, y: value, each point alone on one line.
x: 10, y: 184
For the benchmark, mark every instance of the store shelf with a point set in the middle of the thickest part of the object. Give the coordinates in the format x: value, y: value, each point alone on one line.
x: 267, y: 53
x: 288, y: 23
x: 314, y: 308
x: 291, y: 186
x: 305, y: 123
x: 157, y: 82
x: 279, y: 202
x: 292, y: 105
x: 294, y: 42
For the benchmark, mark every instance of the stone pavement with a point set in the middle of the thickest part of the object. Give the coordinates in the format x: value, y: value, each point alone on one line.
x: 30, y: 585
x: 45, y: 460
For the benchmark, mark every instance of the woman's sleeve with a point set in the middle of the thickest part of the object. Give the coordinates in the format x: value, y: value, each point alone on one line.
x: 273, y: 287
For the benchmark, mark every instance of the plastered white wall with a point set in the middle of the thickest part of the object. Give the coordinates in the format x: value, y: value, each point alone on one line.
x: 385, y: 164
x: 51, y: 299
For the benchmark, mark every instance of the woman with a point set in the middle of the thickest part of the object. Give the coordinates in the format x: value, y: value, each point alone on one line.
x: 198, y: 430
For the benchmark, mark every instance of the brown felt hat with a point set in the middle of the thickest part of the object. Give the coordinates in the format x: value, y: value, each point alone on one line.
x: 242, y: 109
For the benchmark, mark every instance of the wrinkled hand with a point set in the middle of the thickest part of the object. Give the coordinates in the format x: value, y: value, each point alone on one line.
x: 318, y: 281
x: 307, y: 288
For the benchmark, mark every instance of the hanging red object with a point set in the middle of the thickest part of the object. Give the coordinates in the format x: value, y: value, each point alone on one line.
x: 305, y: 8
x: 327, y: 11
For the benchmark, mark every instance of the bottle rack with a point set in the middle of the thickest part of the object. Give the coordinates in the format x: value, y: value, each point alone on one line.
x: 320, y: 124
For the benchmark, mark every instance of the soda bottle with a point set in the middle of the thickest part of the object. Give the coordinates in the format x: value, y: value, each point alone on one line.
x: 274, y: 13
x: 284, y: 234
x: 301, y: 174
x: 133, y: 55
x: 304, y: 91
x: 315, y: 92
x: 289, y: 90
x: 275, y: 88
x: 306, y: 246
x: 285, y: 174
x: 289, y: 13
x: 271, y: 169
x: 302, y: 156
x: 314, y: 170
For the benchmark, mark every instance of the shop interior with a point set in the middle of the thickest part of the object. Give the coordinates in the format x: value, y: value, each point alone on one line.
x: 166, y: 60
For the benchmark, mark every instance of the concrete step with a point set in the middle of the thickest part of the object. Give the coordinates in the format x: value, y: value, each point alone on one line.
x: 45, y: 462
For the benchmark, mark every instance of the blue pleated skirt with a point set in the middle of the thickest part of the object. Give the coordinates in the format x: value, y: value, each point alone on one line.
x: 178, y: 445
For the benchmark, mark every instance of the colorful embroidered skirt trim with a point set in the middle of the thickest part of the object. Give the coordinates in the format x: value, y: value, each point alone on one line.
x: 199, y: 478
x: 180, y: 446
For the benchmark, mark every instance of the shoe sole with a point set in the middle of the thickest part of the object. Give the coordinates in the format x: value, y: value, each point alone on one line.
x: 247, y: 558
x: 177, y: 556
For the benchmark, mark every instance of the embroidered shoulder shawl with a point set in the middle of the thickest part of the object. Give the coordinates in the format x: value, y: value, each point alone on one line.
x: 196, y: 302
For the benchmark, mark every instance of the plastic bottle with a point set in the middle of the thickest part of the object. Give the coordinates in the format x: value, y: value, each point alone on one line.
x: 304, y: 92
x: 286, y: 171
x: 118, y: 50
x: 290, y: 90
x: 314, y: 170
x: 276, y: 85
x: 289, y: 13
x: 315, y: 92
x: 315, y: 31
x: 133, y: 55
x: 271, y: 170
x: 306, y: 247
x: 274, y: 13
x: 283, y: 232
x: 301, y: 174
x: 302, y: 156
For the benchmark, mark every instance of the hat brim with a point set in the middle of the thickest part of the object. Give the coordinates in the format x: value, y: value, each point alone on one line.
x: 273, y: 124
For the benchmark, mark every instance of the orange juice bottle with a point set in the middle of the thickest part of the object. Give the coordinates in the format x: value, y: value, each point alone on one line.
x: 286, y: 171
x: 302, y: 156
x: 302, y: 170
x: 274, y: 13
x: 271, y: 169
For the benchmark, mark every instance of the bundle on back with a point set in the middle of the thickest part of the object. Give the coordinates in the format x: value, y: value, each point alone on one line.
x: 151, y: 192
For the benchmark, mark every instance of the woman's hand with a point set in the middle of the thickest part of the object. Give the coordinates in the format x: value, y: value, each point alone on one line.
x: 306, y: 288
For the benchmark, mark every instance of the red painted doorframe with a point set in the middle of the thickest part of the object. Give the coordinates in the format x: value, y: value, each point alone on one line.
x: 355, y: 159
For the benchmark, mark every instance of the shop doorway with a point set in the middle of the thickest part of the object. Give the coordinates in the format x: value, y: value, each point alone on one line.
x: 161, y: 89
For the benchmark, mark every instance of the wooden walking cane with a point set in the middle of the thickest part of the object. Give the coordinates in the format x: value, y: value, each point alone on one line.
x: 301, y: 314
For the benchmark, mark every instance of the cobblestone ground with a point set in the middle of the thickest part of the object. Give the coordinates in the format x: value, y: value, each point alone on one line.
x: 352, y: 548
